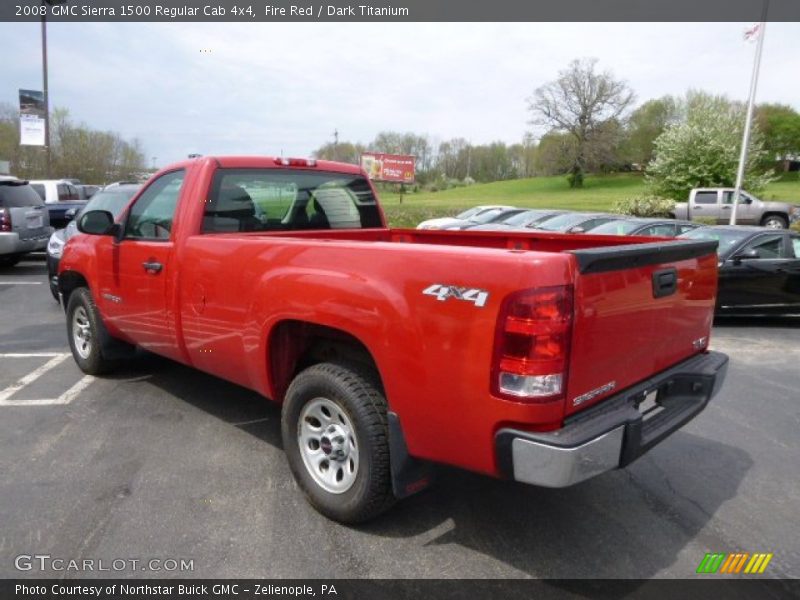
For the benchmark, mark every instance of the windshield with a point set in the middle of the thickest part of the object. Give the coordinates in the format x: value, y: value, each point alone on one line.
x: 562, y: 222
x: 522, y: 218
x: 619, y: 227
x: 113, y: 200
x: 727, y: 238
x: 487, y: 216
x: 468, y: 213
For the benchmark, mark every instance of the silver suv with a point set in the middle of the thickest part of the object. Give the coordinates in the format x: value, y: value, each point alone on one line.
x: 24, y: 223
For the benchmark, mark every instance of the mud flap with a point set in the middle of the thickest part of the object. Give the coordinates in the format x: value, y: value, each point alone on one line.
x: 409, y: 475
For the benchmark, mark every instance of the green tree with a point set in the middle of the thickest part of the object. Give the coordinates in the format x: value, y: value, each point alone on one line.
x: 645, y: 124
x: 780, y: 125
x: 703, y: 149
x: 582, y: 103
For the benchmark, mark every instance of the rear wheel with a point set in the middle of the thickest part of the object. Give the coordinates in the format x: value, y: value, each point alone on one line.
x: 775, y: 222
x: 86, y: 333
x: 335, y: 435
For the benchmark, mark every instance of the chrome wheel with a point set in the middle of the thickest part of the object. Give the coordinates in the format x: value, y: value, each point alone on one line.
x: 82, y: 332
x: 328, y: 445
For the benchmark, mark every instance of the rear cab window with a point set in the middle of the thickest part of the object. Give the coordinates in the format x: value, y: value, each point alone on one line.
x: 288, y: 200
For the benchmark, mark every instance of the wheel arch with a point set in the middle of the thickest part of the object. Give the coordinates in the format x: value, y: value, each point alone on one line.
x: 68, y: 282
x: 293, y: 345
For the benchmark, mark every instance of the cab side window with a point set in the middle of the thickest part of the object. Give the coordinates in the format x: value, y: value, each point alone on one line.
x: 768, y: 247
x: 705, y: 198
x: 796, y: 245
x: 152, y: 215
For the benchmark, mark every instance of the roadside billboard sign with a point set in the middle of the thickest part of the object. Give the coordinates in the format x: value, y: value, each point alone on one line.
x: 31, y: 118
x: 394, y: 168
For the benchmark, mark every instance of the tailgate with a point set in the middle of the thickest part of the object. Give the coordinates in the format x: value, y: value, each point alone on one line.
x: 639, y: 309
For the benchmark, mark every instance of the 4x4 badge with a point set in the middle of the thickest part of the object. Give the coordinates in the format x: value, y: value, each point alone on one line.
x: 442, y: 292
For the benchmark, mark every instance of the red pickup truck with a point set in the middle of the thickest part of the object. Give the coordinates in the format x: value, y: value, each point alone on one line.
x: 545, y: 358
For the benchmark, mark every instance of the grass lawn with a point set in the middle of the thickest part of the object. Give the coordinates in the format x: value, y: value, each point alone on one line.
x: 598, y: 193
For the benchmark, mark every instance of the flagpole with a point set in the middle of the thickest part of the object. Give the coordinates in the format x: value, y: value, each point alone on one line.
x: 749, y: 118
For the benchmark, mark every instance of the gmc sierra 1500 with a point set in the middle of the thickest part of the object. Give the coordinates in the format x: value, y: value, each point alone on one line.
x: 547, y: 358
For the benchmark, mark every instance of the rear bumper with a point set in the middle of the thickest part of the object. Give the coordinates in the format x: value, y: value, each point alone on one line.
x: 613, y: 433
x: 11, y: 243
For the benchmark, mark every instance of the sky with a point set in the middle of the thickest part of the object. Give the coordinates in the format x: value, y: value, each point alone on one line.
x: 283, y: 88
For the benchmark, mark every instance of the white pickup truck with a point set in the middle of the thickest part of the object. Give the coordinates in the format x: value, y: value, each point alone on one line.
x: 717, y: 203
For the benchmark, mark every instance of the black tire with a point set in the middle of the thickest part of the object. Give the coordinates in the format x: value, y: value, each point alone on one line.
x: 775, y: 222
x: 357, y: 393
x: 10, y: 260
x: 90, y: 359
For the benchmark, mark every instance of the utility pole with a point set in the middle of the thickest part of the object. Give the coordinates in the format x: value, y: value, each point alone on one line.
x: 46, y: 99
x: 749, y: 118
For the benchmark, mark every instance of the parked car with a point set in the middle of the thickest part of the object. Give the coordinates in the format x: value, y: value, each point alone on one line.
x: 643, y: 226
x: 391, y: 351
x: 24, y: 224
x: 113, y: 200
x: 717, y: 203
x: 759, y: 269
x: 53, y: 191
x: 522, y: 220
x: 445, y: 222
x: 61, y: 197
x: 574, y: 222
x: 495, y: 215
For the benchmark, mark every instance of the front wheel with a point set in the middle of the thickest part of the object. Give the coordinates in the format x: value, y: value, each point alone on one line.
x: 336, y: 439
x: 86, y: 333
x: 775, y: 222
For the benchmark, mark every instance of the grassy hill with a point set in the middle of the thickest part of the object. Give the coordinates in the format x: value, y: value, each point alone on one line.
x: 598, y: 193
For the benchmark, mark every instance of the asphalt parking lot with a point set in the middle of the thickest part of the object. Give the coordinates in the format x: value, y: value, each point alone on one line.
x: 160, y: 461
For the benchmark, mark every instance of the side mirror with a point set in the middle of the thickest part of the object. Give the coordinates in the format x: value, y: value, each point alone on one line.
x: 97, y: 222
x: 577, y: 229
x: 70, y: 214
x: 745, y: 255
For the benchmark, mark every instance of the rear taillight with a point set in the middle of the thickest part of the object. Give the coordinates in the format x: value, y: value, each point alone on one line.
x: 531, y: 347
x: 5, y: 220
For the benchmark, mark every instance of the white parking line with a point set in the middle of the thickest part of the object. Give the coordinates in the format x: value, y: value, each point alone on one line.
x: 55, y: 359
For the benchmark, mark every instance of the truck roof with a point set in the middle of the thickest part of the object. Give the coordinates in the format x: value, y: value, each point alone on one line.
x: 270, y: 162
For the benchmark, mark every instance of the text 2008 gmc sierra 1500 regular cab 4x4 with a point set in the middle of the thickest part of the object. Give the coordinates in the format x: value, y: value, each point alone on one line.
x: 544, y: 358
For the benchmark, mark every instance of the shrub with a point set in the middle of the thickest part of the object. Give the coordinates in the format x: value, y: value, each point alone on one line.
x: 644, y: 206
x: 795, y: 226
x: 705, y: 220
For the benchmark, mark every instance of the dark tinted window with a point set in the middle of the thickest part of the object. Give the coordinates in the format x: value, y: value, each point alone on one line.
x: 39, y: 189
x: 288, y: 199
x: 16, y: 195
x: 705, y: 198
x: 727, y: 238
x: 63, y: 192
x: 768, y: 246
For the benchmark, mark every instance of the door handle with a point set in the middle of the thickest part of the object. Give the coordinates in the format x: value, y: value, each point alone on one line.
x: 697, y: 208
x: 726, y: 207
x: 152, y: 266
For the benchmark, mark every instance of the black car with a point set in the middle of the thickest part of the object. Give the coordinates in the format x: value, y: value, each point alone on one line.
x: 113, y: 199
x: 759, y: 269
x: 644, y: 227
